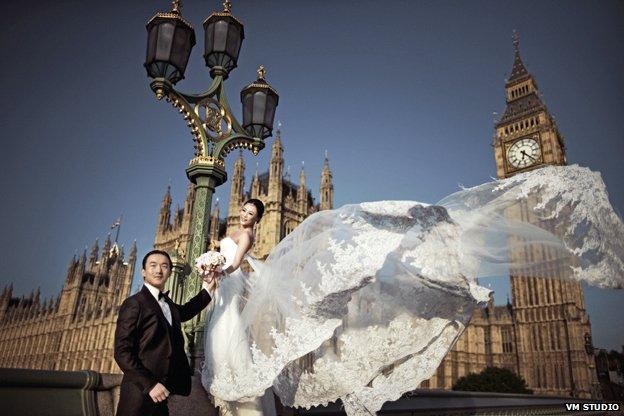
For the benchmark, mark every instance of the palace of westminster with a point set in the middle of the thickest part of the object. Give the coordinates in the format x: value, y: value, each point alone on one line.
x: 543, y: 334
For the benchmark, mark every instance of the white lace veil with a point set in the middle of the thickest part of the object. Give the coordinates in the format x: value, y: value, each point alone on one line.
x: 362, y: 303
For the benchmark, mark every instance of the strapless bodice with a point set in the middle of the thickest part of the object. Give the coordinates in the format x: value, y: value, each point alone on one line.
x: 228, y: 248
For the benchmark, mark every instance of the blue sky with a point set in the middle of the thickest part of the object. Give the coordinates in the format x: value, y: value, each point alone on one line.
x: 400, y: 93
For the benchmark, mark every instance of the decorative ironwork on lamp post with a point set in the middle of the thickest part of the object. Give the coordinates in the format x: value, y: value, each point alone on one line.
x: 215, y: 130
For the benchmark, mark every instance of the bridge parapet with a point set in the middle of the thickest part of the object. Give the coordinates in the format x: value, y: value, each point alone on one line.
x: 88, y: 393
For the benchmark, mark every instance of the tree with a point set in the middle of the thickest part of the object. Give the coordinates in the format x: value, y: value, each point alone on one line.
x: 616, y: 361
x: 493, y: 379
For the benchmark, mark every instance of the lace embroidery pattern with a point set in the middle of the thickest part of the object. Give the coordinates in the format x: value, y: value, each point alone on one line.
x: 363, y: 303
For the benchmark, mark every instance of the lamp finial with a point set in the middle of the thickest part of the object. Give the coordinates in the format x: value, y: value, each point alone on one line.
x: 261, y: 72
x: 176, y: 6
x: 227, y: 6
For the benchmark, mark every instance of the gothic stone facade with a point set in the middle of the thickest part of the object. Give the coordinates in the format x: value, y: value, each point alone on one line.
x: 286, y: 206
x: 74, y: 331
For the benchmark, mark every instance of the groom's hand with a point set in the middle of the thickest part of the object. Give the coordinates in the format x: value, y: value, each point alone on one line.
x: 159, y: 393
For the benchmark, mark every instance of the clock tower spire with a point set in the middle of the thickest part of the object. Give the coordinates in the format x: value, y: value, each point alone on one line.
x: 526, y: 136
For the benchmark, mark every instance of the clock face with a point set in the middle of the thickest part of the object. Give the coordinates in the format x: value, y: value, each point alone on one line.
x: 523, y: 153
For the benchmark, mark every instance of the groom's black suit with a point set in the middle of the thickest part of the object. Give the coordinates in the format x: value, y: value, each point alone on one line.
x: 149, y: 350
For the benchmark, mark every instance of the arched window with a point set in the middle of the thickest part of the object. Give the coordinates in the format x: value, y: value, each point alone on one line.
x: 289, y: 226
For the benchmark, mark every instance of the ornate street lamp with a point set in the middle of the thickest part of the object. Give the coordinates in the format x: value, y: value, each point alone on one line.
x: 170, y: 39
x: 259, y: 102
x: 215, y: 130
x: 224, y: 37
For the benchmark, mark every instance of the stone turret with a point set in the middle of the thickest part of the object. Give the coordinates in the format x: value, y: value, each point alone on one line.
x: 214, y: 225
x: 165, y: 212
x: 255, y: 185
x: 327, y: 187
x: 93, y: 258
x: 302, y: 193
x: 276, y: 169
x: 236, y: 190
x: 71, y: 269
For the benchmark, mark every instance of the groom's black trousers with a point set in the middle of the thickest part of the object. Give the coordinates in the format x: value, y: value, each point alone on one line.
x: 133, y: 402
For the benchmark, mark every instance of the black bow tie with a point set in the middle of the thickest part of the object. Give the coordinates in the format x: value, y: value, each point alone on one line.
x: 163, y: 295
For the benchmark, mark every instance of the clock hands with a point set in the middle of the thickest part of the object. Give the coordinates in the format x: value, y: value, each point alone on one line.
x: 526, y: 154
x: 523, y: 153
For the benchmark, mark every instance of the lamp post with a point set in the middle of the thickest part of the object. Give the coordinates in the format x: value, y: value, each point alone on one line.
x: 215, y: 130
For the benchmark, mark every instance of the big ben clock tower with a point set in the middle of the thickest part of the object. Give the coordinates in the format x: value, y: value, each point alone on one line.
x: 552, y: 329
x: 526, y: 135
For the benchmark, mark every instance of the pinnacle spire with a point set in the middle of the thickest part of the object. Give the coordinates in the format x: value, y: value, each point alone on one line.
x: 165, y: 211
x: 302, y: 174
x: 167, y: 197
x: 326, y: 162
x: 327, y: 187
x: 278, y: 132
x: 518, y: 69
x: 239, y: 159
x: 277, y: 143
x: 276, y: 148
x: 72, y: 262
x: 95, y: 250
x: 107, y: 243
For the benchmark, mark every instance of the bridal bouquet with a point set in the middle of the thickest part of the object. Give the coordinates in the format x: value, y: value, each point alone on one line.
x: 209, y: 262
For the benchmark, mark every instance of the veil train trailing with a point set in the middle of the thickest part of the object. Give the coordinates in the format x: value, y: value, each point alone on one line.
x: 362, y: 303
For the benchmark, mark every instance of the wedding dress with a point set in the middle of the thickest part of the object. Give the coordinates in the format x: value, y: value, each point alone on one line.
x: 362, y: 303
x: 226, y: 347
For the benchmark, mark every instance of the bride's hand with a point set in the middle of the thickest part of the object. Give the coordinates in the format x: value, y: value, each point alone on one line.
x: 211, y: 282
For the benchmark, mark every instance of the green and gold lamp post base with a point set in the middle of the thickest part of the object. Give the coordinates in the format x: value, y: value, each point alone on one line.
x: 215, y: 130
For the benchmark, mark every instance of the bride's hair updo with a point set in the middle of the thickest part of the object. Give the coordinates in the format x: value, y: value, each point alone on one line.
x: 259, y: 206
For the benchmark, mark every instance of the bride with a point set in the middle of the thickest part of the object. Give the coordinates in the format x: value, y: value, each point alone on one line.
x: 226, y: 347
x: 362, y: 303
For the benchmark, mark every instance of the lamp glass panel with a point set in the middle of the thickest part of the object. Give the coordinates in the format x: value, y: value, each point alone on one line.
x: 165, y: 40
x: 209, y: 38
x: 180, y: 51
x: 259, y: 105
x: 247, y: 108
x: 233, y: 41
x: 151, y: 43
x: 270, y: 114
x: 220, y: 36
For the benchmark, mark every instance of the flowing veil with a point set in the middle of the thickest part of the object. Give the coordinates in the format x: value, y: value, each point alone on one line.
x: 362, y: 303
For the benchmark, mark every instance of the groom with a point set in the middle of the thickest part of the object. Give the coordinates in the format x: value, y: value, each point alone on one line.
x: 149, y: 346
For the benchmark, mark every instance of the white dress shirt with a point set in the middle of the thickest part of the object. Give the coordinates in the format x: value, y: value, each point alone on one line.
x: 163, y: 305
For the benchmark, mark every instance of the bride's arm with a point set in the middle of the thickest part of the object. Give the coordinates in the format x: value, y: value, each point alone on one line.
x: 244, y: 244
